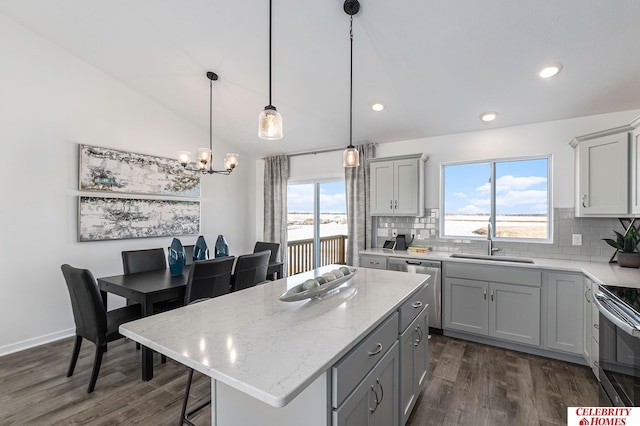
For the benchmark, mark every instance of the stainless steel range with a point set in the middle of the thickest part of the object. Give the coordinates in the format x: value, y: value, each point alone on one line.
x: 619, y: 357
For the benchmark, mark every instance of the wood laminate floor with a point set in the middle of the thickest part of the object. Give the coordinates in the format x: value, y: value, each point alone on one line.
x: 468, y: 384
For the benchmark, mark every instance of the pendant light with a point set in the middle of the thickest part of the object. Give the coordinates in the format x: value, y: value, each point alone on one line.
x: 205, y: 156
x: 350, y: 156
x: 270, y: 120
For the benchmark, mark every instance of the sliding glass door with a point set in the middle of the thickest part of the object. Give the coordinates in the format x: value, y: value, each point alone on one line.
x: 317, y: 224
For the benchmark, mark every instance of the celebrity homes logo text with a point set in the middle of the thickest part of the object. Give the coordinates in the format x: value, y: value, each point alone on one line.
x: 602, y: 416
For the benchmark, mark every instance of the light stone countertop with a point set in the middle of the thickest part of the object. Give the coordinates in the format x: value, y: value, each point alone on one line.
x: 269, y: 349
x: 600, y: 272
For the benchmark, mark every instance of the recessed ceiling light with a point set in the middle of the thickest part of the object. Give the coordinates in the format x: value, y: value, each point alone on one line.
x: 550, y: 71
x: 489, y: 116
x: 377, y: 107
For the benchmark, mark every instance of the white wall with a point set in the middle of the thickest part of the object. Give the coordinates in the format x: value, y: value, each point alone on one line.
x: 51, y: 101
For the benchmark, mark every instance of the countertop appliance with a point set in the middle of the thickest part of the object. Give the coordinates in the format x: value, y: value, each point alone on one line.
x: 435, y: 292
x: 619, y: 343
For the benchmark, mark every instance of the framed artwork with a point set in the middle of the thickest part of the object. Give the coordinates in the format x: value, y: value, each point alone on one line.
x: 111, y: 218
x: 113, y: 171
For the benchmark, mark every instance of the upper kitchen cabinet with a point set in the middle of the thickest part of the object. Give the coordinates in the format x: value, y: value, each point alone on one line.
x: 397, y: 185
x: 607, y: 172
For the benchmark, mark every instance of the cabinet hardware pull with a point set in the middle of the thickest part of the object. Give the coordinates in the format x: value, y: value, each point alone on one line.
x: 492, y: 295
x: 417, y: 341
x: 596, y: 363
x: 376, y: 398
x: 485, y: 294
x: 584, y: 197
x: 381, y: 391
x: 417, y: 304
x: 596, y: 326
x: 396, y: 204
x: 585, y: 296
x: 390, y: 204
x: 377, y: 350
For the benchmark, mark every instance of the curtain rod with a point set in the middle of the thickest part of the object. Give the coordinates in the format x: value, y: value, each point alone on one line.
x: 319, y: 151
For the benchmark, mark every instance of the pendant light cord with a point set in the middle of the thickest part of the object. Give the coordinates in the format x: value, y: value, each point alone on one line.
x: 270, y: 7
x: 210, y: 124
x: 351, y: 84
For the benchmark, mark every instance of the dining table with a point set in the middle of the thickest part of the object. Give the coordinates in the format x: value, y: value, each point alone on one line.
x: 147, y: 288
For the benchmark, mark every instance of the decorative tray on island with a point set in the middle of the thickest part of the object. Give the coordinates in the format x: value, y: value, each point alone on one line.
x: 314, y: 288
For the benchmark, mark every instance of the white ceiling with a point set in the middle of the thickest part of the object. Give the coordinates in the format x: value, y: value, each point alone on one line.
x: 436, y: 65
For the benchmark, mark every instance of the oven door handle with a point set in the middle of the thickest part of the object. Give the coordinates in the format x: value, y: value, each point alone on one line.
x: 614, y: 318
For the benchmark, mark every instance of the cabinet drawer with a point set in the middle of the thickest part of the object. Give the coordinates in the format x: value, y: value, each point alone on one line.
x: 412, y: 307
x: 375, y: 262
x: 353, y: 367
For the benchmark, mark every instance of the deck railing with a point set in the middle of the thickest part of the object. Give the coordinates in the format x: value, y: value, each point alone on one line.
x: 300, y: 253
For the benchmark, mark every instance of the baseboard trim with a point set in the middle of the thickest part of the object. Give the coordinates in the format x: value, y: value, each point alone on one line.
x: 37, y: 341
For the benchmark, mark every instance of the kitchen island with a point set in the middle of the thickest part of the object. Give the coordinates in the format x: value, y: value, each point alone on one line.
x: 270, y: 361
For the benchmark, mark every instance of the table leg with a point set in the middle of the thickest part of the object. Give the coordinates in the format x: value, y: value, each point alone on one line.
x: 147, y: 354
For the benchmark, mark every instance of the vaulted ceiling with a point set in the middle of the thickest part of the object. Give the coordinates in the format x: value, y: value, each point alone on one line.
x: 435, y: 65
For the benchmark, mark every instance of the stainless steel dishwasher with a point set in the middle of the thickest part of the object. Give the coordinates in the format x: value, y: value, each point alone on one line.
x: 430, y: 267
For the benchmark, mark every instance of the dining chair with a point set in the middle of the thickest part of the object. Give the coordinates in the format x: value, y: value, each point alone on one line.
x: 274, y: 248
x: 134, y: 261
x: 93, y: 321
x: 207, y: 279
x: 188, y: 254
x: 249, y: 270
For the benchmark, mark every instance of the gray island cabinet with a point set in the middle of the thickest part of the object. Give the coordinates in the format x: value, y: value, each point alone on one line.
x: 337, y: 360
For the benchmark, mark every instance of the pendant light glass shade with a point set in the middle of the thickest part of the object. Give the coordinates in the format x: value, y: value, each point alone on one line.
x: 270, y: 124
x: 350, y: 157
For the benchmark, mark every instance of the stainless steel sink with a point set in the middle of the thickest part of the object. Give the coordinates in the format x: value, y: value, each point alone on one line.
x: 492, y: 258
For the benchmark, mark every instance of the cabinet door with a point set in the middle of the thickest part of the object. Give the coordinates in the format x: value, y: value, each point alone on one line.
x: 465, y: 305
x: 405, y: 187
x: 382, y: 196
x: 564, y: 312
x: 413, y: 363
x: 375, y: 400
x: 635, y: 172
x: 514, y: 313
x: 603, y: 175
x: 586, y: 320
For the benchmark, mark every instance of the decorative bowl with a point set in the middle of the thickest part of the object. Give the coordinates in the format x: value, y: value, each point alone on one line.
x: 298, y: 292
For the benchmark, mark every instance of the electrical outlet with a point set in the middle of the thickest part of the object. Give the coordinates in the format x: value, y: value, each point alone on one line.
x: 383, y: 232
x: 394, y: 232
x: 576, y: 239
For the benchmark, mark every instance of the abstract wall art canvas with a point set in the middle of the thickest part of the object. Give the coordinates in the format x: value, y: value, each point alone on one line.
x: 107, y: 218
x: 110, y: 170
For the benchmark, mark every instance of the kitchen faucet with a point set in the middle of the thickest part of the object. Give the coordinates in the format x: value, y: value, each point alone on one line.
x: 490, y: 249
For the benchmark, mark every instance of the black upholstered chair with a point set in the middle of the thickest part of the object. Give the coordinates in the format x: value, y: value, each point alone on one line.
x: 93, y: 322
x: 274, y: 248
x: 134, y: 261
x: 249, y: 270
x: 207, y: 279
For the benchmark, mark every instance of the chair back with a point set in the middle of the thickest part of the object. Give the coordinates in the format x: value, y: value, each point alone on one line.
x: 250, y: 269
x: 89, y: 313
x: 134, y: 261
x: 274, y: 248
x: 209, y: 278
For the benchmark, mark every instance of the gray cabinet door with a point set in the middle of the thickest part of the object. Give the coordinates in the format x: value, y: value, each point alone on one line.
x: 603, y: 175
x: 382, y: 196
x: 514, y: 313
x: 413, y: 363
x: 465, y: 305
x: 375, y: 400
x: 564, y: 312
x: 586, y: 320
x: 405, y: 187
x: 371, y: 261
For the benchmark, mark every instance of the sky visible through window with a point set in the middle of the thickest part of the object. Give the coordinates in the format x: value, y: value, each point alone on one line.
x: 332, y: 198
x: 521, y: 188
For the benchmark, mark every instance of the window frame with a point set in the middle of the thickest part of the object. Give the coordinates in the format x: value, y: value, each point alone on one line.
x: 492, y: 216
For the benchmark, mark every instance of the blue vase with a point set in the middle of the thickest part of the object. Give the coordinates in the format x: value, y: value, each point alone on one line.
x: 222, y: 248
x: 176, y: 257
x: 200, y: 251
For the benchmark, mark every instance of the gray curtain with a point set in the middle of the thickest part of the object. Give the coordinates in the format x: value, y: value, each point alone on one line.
x: 358, y: 217
x: 276, y: 175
